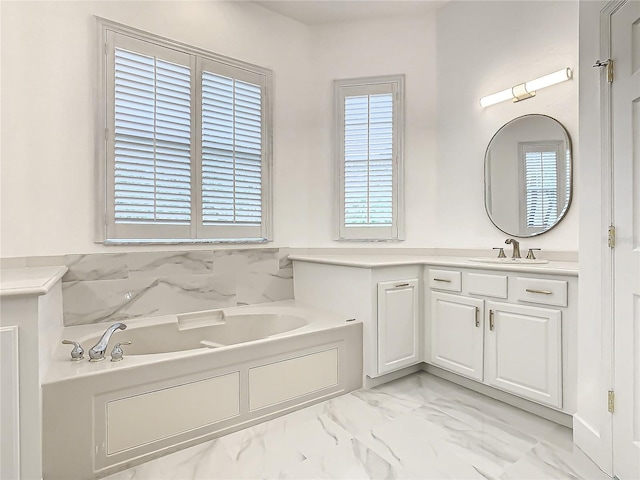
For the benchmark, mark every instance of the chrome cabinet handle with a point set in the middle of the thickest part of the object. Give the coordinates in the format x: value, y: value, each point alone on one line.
x: 441, y: 280
x: 402, y: 285
x: 477, y: 318
x: 491, y: 321
x: 533, y: 290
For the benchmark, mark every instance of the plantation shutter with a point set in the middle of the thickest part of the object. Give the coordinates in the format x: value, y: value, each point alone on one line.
x: 233, y: 140
x: 151, y: 143
x: 369, y: 148
x: 368, y: 159
x: 152, y: 140
x: 541, y: 185
x: 187, y: 143
x: 564, y: 204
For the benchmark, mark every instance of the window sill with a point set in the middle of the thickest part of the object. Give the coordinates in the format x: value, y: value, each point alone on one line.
x: 170, y: 241
x: 370, y: 240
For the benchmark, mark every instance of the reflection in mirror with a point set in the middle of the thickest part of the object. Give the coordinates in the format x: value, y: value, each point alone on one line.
x: 527, y: 175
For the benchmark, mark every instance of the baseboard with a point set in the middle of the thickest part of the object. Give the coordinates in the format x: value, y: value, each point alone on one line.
x: 589, y: 440
x: 369, y: 382
x: 532, y: 407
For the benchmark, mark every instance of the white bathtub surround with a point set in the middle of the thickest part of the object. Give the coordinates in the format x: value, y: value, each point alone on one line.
x: 96, y: 267
x: 18, y: 282
x: 214, y: 372
x: 31, y: 323
x: 120, y: 286
x: 119, y: 300
x: 416, y: 427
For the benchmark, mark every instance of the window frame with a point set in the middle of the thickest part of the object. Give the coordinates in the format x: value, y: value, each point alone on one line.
x: 370, y: 86
x: 107, y: 231
x: 542, y: 146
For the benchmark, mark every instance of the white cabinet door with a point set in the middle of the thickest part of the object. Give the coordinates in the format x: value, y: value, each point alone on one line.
x: 398, y: 325
x: 457, y: 334
x: 523, y: 351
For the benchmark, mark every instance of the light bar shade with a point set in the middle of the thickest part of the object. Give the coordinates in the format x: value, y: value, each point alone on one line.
x: 496, y: 98
x: 531, y: 86
x: 548, y: 80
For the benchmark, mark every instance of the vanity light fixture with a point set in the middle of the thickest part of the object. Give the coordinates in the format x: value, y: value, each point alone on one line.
x: 528, y: 89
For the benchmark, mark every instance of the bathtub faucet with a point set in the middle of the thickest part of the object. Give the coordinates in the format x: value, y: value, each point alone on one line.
x: 97, y: 351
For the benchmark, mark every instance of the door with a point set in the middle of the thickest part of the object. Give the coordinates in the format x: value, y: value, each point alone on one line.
x: 456, y: 334
x: 625, y: 48
x: 398, y: 325
x: 523, y: 351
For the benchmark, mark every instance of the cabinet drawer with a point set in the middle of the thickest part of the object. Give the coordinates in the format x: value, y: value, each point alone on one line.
x: 486, y: 285
x: 445, y: 280
x: 543, y: 291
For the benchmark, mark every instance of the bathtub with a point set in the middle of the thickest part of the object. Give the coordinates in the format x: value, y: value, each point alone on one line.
x: 189, y: 378
x: 212, y: 329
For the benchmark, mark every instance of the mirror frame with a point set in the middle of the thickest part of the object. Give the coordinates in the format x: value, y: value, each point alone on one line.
x: 563, y: 213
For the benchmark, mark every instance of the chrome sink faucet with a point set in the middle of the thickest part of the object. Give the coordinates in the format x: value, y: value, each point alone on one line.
x: 516, y: 247
x: 97, y: 351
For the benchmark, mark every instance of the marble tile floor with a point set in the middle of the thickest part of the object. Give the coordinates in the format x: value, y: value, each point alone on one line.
x: 417, y: 427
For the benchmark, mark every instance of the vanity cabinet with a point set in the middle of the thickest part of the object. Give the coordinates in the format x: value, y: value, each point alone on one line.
x: 387, y: 300
x: 398, y: 324
x: 515, y: 345
x: 508, y: 331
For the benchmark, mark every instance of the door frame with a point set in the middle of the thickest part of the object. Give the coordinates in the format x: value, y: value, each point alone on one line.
x: 619, y: 362
x: 608, y: 217
x: 592, y: 423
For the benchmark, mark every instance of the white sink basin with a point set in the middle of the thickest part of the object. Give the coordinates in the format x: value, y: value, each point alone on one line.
x: 509, y: 261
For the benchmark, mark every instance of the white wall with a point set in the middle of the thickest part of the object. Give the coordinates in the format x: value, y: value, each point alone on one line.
x: 485, y: 47
x: 49, y: 54
x: 368, y: 48
x: 470, y: 49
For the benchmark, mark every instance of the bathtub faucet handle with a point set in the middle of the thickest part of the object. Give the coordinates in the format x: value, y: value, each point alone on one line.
x: 78, y: 352
x: 117, y: 353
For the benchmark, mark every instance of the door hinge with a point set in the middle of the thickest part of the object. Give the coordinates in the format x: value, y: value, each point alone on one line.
x: 611, y: 397
x: 106, y: 134
x: 609, y: 64
x: 611, y: 236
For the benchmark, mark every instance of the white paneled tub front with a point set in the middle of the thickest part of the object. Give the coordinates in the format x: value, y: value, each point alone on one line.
x: 189, y: 378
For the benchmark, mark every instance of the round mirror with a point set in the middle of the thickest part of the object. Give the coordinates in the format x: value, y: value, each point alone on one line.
x: 527, y: 175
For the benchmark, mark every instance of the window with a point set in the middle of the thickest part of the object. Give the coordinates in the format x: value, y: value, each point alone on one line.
x: 188, y: 143
x: 543, y: 167
x: 370, y: 138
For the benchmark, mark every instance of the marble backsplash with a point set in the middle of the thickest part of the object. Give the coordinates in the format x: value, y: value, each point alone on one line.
x: 121, y: 286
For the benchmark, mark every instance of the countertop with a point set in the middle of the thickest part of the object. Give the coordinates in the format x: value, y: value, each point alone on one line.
x: 379, y: 261
x: 29, y: 280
